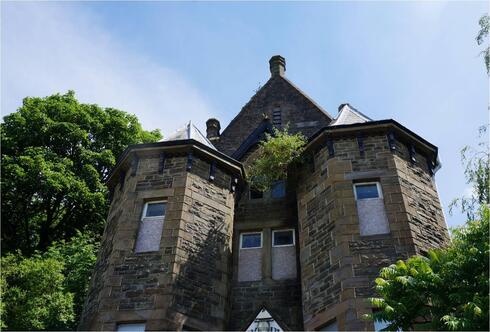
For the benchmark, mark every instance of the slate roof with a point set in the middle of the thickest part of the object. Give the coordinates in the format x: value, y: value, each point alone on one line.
x: 189, y: 131
x: 349, y: 115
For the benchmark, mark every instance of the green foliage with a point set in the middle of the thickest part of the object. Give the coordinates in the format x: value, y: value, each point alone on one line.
x: 484, y: 23
x: 449, y: 289
x: 46, y: 291
x: 477, y: 172
x: 56, y: 155
x: 34, y: 296
x: 79, y: 256
x: 274, y: 155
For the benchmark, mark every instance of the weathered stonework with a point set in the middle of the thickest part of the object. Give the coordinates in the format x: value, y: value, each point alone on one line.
x: 201, y: 278
x: 338, y: 265
x: 297, y: 111
x: 177, y: 285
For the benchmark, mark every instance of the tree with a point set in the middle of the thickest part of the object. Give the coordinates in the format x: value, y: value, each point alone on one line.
x: 448, y: 290
x: 274, y: 156
x: 477, y: 172
x: 56, y: 155
x: 34, y: 295
x: 47, y: 291
x: 78, y: 256
x: 480, y: 39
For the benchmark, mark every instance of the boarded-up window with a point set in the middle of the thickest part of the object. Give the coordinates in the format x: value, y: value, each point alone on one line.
x: 371, y: 209
x: 283, y: 254
x: 250, y: 257
x: 132, y: 327
x: 151, y: 226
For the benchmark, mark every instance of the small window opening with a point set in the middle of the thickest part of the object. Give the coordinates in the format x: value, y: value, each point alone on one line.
x: 156, y: 209
x: 370, y: 209
x: 251, y: 240
x: 256, y: 194
x: 278, y: 189
x: 151, y: 227
x: 276, y: 117
x: 282, y: 238
x: 367, y: 191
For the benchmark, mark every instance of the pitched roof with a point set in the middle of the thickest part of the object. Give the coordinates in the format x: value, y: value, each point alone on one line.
x: 189, y: 131
x: 256, y: 136
x: 349, y: 115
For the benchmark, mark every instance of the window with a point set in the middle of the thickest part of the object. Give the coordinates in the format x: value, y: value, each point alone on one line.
x: 367, y: 190
x: 154, y: 209
x: 276, y: 117
x: 255, y: 194
x: 283, y: 254
x: 134, y: 327
x: 151, y: 227
x: 278, y: 189
x: 371, y: 209
x: 250, y: 240
x: 250, y: 257
x: 282, y: 238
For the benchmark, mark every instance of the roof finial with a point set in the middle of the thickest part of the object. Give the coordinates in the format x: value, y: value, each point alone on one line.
x: 277, y: 65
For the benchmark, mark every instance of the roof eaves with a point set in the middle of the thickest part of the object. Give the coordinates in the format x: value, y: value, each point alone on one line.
x: 369, y: 125
x: 175, y: 144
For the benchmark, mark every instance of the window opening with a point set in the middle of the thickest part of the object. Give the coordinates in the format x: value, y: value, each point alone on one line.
x: 367, y: 191
x: 282, y: 238
x: 256, y: 194
x: 251, y: 240
x: 150, y: 227
x: 278, y: 189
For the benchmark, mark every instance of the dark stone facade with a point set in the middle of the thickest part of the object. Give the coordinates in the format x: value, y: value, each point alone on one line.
x: 296, y: 110
x: 191, y: 282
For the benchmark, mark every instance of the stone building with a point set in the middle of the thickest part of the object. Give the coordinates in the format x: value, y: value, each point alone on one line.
x: 188, y: 245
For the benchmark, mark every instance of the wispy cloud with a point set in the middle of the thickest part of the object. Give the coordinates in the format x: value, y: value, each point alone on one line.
x: 48, y: 48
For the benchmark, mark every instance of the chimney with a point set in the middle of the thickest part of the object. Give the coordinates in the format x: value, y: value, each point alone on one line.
x: 277, y: 65
x: 212, y: 129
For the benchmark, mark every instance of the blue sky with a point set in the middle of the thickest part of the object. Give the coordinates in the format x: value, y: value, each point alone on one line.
x: 415, y: 62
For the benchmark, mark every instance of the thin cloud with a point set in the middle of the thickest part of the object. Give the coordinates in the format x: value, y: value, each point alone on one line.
x: 48, y: 49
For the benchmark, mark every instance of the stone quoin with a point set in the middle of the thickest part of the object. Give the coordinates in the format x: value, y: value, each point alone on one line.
x: 188, y: 245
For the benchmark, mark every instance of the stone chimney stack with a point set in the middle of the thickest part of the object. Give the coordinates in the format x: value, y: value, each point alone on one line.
x: 212, y: 129
x: 277, y: 65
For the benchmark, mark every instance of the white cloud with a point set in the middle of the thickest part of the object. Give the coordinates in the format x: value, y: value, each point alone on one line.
x: 49, y: 48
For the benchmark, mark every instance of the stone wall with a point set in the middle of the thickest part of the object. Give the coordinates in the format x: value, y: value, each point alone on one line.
x: 338, y: 265
x: 185, y: 282
x: 282, y: 298
x: 299, y: 112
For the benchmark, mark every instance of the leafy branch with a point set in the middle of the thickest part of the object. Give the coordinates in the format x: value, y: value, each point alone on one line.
x: 274, y: 156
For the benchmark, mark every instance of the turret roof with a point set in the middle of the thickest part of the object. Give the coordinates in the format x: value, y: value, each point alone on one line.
x: 189, y: 131
x: 349, y: 115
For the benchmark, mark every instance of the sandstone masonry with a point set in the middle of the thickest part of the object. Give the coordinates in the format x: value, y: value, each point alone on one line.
x: 306, y: 252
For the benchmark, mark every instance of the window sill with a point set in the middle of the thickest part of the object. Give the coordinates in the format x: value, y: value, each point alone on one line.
x: 376, y: 237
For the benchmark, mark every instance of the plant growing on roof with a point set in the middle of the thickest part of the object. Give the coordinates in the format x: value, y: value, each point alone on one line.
x: 279, y: 150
